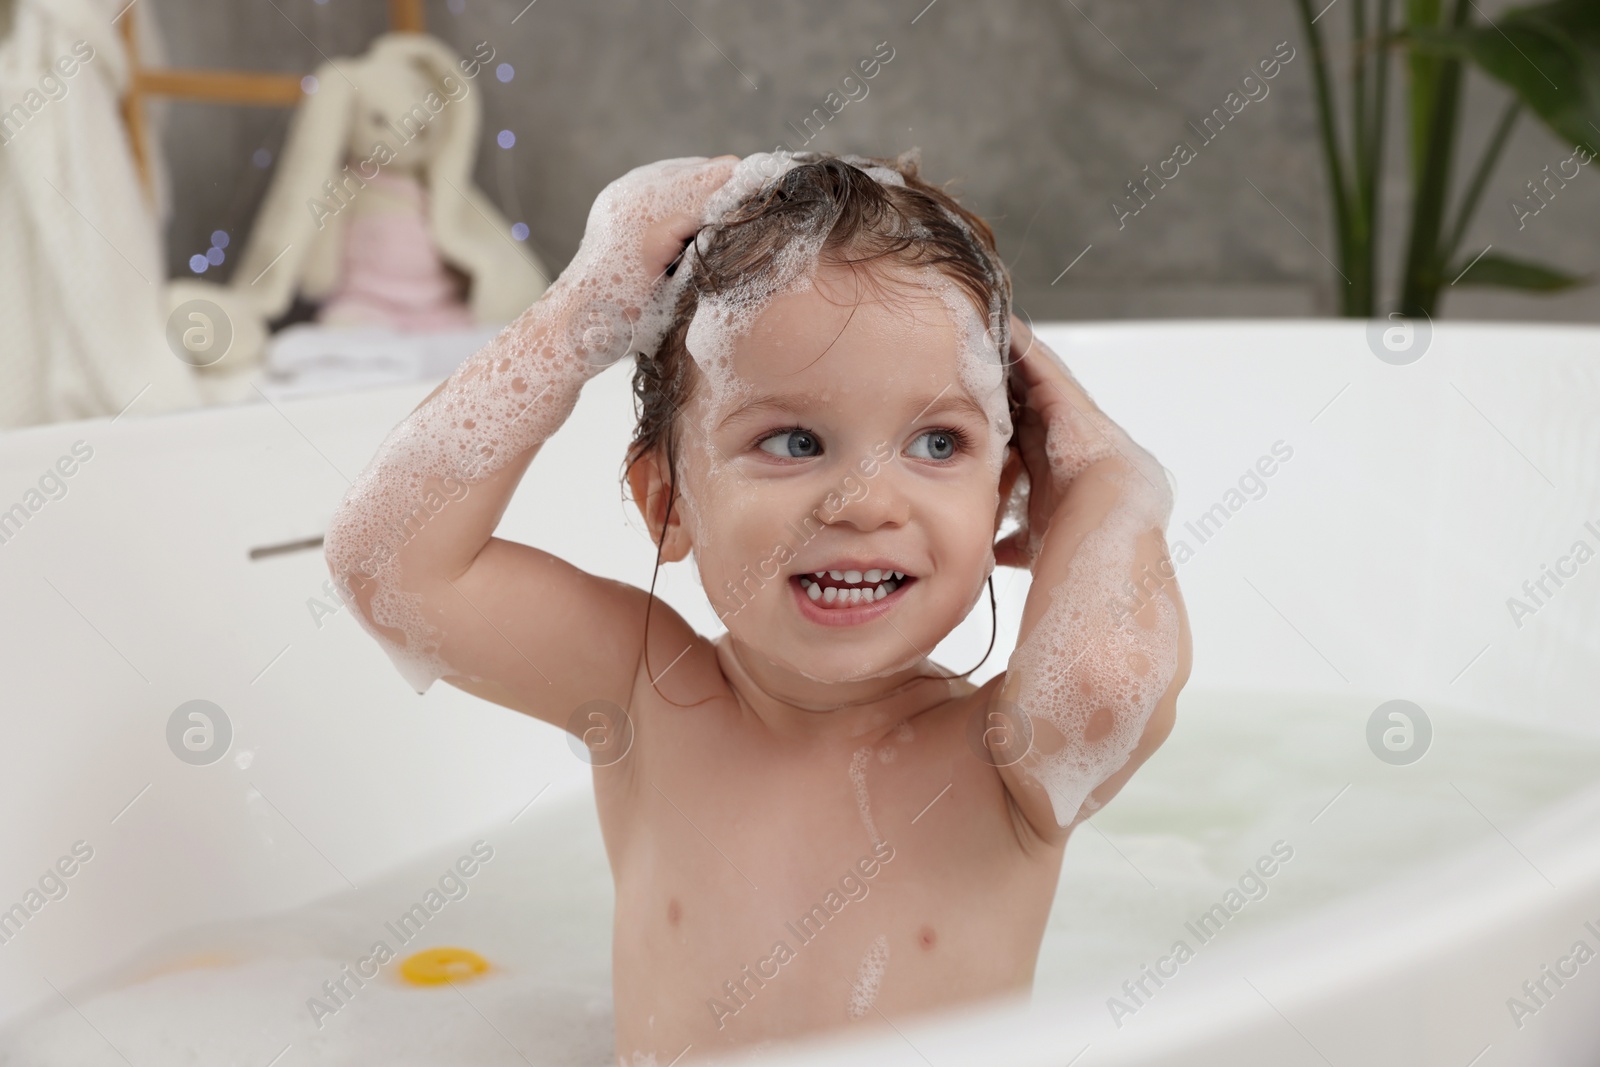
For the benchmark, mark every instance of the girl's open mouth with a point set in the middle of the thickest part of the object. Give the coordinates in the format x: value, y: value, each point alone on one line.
x: 843, y: 597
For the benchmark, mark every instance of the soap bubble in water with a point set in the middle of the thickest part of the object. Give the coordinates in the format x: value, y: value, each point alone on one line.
x: 600, y: 732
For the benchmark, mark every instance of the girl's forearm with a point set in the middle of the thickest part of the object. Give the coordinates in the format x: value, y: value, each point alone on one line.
x: 431, y: 497
x: 456, y: 437
x: 1089, y: 670
x: 417, y: 519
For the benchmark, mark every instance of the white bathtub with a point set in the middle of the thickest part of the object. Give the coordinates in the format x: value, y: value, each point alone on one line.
x: 1376, y: 566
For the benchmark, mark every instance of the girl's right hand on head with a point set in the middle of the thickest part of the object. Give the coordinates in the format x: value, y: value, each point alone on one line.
x: 638, y: 227
x: 695, y: 182
x: 649, y: 214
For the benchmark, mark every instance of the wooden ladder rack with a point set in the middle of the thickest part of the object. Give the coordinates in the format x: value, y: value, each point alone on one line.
x: 249, y: 88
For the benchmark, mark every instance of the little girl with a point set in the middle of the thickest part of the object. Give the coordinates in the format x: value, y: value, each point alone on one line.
x: 810, y: 824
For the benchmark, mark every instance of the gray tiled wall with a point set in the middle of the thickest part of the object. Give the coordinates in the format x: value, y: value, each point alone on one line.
x: 1038, y: 112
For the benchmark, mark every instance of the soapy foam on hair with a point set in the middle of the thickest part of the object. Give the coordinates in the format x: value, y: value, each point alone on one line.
x: 1078, y: 659
x: 978, y: 361
x: 720, y: 319
x: 864, y: 990
x: 876, y: 171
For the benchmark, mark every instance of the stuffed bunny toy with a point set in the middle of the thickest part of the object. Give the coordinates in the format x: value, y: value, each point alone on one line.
x: 372, y: 209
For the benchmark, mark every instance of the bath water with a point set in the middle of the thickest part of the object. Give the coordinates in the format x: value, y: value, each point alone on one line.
x: 1237, y: 775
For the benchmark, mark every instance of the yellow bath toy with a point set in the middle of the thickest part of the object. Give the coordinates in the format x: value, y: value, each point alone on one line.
x: 434, y: 966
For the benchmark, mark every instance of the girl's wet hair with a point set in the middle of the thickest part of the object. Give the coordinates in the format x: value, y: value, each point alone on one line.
x: 861, y: 220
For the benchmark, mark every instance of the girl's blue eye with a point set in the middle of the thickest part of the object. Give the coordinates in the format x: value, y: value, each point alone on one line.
x: 943, y: 443
x: 800, y: 440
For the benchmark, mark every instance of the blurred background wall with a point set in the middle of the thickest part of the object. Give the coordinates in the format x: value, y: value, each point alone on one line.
x: 1038, y: 112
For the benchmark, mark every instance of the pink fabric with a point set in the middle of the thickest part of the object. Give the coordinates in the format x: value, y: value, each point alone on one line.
x: 393, y: 275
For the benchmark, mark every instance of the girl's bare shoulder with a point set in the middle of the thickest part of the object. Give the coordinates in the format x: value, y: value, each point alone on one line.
x: 678, y: 666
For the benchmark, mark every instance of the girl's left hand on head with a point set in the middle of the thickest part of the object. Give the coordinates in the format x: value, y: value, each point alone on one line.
x: 1051, y: 398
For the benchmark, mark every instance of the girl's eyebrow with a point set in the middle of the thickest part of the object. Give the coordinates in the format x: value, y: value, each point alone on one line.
x: 947, y: 399
x: 792, y: 403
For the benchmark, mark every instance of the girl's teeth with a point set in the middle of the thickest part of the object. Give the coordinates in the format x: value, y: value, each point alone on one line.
x: 874, y: 576
x: 852, y: 577
x: 837, y: 576
x: 848, y: 597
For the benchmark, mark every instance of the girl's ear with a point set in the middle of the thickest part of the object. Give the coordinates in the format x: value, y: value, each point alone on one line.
x: 1008, y: 474
x: 648, y: 480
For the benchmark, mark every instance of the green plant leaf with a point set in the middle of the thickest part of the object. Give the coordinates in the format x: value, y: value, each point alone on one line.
x: 1516, y: 274
x: 1424, y: 71
x: 1548, y: 54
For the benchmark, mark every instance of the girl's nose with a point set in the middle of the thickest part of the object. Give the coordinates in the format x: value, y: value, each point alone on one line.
x: 868, y: 502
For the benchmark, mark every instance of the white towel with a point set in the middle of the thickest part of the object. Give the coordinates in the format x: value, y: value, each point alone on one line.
x: 306, y: 359
x: 83, y: 302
